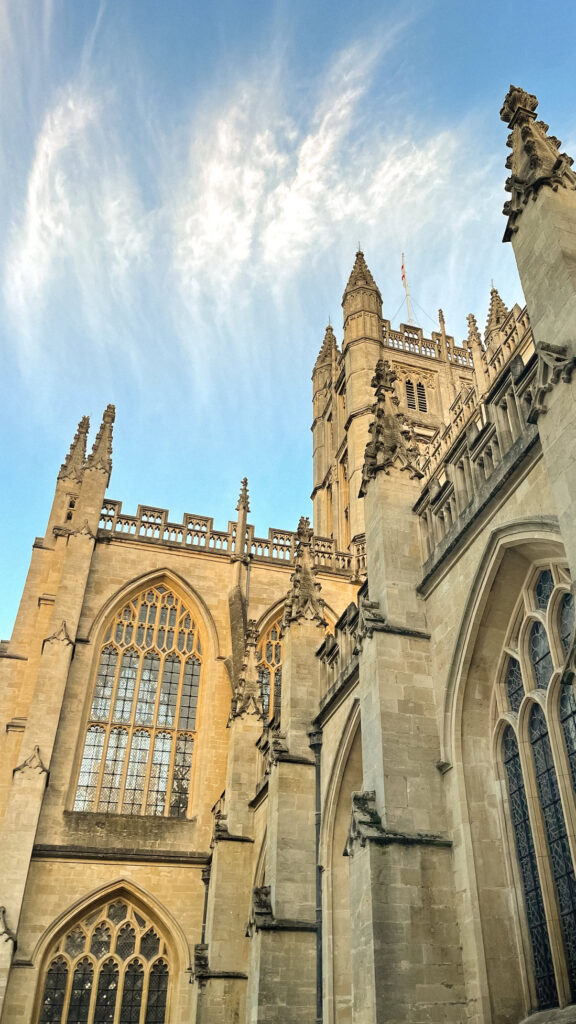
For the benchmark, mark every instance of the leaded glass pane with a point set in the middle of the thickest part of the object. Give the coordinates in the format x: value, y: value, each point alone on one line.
x: 117, y: 912
x: 544, y: 979
x: 543, y: 589
x: 136, y: 774
x: 540, y: 655
x: 264, y: 680
x: 132, y: 994
x: 567, y: 710
x: 181, y: 776
x: 89, y: 769
x: 555, y: 828
x: 112, y: 774
x: 158, y: 785
x: 75, y: 942
x: 150, y: 944
x: 147, y: 690
x: 277, y: 691
x: 104, y: 683
x: 54, y: 992
x: 566, y: 621
x: 189, y: 699
x: 100, y: 941
x: 126, y: 683
x: 169, y: 692
x: 157, y: 992
x: 80, y: 995
x: 514, y: 684
x: 125, y: 941
x: 106, y: 993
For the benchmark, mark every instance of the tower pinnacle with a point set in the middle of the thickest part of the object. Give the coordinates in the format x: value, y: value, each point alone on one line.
x: 361, y: 276
x: 244, y: 499
x: 73, y: 466
x: 101, y: 455
x: 497, y: 314
x: 328, y: 348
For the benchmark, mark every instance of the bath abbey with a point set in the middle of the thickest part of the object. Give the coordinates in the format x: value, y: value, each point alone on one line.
x: 323, y: 776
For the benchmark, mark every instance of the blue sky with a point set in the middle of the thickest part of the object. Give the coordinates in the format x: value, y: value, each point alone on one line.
x: 182, y: 190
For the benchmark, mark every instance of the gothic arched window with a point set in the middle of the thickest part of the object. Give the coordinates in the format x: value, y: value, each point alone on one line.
x: 421, y: 393
x: 137, y: 756
x: 110, y: 966
x: 410, y: 395
x: 538, y: 755
x: 269, y: 655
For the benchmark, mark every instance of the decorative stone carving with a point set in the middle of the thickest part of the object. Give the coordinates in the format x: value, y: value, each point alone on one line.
x: 201, y: 964
x: 261, y: 905
x: 73, y: 466
x: 247, y: 694
x: 272, y: 745
x: 365, y: 822
x: 554, y: 365
x: 302, y: 600
x: 5, y: 930
x: 393, y: 441
x: 83, y: 531
x: 33, y: 763
x: 370, y: 619
x: 101, y: 455
x: 61, y: 635
x: 535, y: 160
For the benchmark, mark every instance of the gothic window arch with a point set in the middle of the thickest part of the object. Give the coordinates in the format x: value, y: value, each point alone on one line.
x: 139, y: 741
x: 421, y: 395
x: 410, y: 395
x: 112, y: 966
x: 269, y: 656
x: 537, y: 754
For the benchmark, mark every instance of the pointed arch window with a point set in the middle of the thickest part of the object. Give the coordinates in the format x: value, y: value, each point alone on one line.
x: 111, y: 967
x: 541, y: 777
x: 421, y: 394
x: 410, y: 395
x: 139, y: 742
x: 269, y: 657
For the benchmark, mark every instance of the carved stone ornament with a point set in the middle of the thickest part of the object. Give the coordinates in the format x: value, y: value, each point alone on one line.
x: 73, y: 466
x: 5, y: 931
x: 393, y: 441
x: 201, y: 963
x: 261, y: 909
x: 247, y: 694
x: 83, y: 531
x: 302, y: 600
x: 365, y: 822
x: 369, y: 619
x: 535, y: 160
x: 272, y: 745
x: 33, y: 763
x: 554, y: 365
x: 60, y: 635
x: 101, y: 455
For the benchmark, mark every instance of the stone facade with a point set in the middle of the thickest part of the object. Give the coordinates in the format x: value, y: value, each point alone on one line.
x: 325, y: 775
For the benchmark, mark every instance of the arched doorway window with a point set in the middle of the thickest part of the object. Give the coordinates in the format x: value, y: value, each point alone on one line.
x: 537, y: 750
x: 139, y: 742
x: 110, y: 967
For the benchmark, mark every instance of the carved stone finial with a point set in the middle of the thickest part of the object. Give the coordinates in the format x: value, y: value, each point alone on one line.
x: 554, y: 365
x: 73, y: 466
x: 328, y: 349
x: 497, y: 314
x: 101, y: 454
x: 247, y: 694
x: 442, y: 321
x: 474, y: 339
x: 361, y: 275
x: 393, y: 442
x: 33, y: 763
x: 244, y: 499
x: 535, y: 160
x: 302, y: 599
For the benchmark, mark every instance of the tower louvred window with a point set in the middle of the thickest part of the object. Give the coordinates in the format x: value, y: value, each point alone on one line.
x: 137, y: 756
x: 541, y: 784
x: 410, y: 395
x: 111, y: 966
x: 421, y: 393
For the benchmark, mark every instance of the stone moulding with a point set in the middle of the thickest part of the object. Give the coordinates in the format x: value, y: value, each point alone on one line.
x: 262, y: 917
x: 554, y: 365
x: 32, y: 763
x: 201, y: 970
x: 366, y: 827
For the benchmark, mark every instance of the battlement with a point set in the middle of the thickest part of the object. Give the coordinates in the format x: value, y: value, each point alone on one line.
x: 197, y: 533
x: 411, y: 339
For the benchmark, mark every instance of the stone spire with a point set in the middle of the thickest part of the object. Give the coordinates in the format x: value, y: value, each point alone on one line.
x: 477, y: 351
x: 393, y: 442
x: 101, y: 455
x: 242, y: 508
x: 497, y: 314
x: 328, y: 349
x: 535, y: 160
x: 302, y: 600
x: 361, y: 276
x: 247, y: 696
x: 73, y: 466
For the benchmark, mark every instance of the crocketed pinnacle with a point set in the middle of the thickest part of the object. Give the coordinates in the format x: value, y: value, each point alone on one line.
x: 73, y: 466
x: 474, y: 339
x: 244, y: 499
x: 360, y: 275
x: 101, y: 455
x: 328, y: 348
x: 247, y: 696
x: 497, y: 314
x: 393, y: 443
x: 302, y: 599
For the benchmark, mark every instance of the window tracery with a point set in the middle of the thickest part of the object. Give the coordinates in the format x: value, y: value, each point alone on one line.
x: 537, y: 749
x: 137, y: 756
x: 269, y: 658
x: 111, y: 967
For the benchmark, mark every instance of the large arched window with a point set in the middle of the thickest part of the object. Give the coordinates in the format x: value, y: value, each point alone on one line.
x: 139, y: 742
x: 269, y: 656
x: 110, y: 967
x: 537, y: 728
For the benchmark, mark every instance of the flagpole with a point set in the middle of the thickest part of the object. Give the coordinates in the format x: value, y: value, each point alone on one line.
x: 406, y: 289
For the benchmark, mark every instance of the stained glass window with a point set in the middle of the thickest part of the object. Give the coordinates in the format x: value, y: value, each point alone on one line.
x: 566, y: 621
x: 543, y: 589
x: 540, y: 655
x: 127, y: 958
x: 134, y: 761
x: 567, y: 709
x: 514, y: 684
x: 269, y: 655
x: 555, y: 828
x: 541, y: 953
